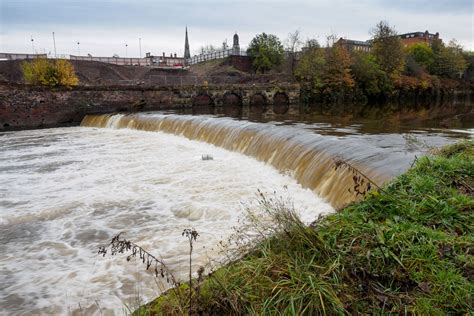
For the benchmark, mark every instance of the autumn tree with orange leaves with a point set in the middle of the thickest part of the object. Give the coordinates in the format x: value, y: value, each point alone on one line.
x: 337, y: 73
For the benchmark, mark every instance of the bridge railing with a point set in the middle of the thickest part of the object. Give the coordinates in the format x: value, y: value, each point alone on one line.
x: 219, y: 54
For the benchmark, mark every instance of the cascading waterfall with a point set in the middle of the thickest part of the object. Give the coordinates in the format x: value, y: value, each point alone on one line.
x: 307, y: 156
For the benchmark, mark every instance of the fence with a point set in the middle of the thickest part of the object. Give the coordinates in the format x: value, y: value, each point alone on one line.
x: 123, y: 61
x: 219, y: 54
x: 12, y: 56
x: 152, y: 61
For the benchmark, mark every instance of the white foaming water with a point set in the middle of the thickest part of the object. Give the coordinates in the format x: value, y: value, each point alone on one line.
x: 66, y: 191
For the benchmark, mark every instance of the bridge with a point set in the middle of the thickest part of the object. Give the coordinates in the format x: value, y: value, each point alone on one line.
x: 277, y: 98
x: 218, y: 54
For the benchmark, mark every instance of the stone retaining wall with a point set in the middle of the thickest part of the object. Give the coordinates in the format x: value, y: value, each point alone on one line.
x: 24, y: 107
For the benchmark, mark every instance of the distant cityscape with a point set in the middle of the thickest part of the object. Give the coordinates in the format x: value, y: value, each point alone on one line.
x: 407, y: 39
x: 172, y: 60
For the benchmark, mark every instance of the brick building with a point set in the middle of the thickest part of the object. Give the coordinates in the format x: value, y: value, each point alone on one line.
x: 408, y: 39
x: 353, y: 45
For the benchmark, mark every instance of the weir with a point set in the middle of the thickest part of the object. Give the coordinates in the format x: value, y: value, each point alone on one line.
x: 308, y: 157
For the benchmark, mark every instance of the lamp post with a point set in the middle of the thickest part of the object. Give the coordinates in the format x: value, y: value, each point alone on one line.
x: 78, y: 49
x: 126, y: 50
x: 54, y: 43
x: 140, y: 46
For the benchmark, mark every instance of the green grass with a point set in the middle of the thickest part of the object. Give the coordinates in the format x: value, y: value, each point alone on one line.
x: 405, y: 250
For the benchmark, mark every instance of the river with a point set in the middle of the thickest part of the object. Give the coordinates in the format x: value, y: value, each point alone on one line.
x: 66, y: 191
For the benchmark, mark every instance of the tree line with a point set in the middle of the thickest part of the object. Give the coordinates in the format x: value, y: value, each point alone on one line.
x: 332, y: 70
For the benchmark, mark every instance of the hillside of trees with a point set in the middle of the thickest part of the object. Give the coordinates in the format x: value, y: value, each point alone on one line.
x: 332, y: 73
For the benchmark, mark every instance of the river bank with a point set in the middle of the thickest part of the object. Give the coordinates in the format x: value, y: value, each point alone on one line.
x: 406, y: 248
x: 29, y: 107
x: 220, y: 84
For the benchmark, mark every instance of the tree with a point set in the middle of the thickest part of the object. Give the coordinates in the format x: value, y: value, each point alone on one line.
x: 370, y: 79
x: 49, y: 73
x: 422, y: 54
x: 469, y: 72
x: 266, y: 51
x: 311, y: 43
x: 293, y: 43
x: 326, y: 69
x: 387, y: 48
x: 207, y: 49
x: 311, y: 65
x: 448, y: 60
x: 331, y: 39
x: 337, y: 73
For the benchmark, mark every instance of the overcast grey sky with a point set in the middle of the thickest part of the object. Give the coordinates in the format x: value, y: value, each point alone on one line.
x: 104, y: 27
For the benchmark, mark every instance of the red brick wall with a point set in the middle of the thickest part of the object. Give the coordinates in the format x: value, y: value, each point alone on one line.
x: 414, y: 40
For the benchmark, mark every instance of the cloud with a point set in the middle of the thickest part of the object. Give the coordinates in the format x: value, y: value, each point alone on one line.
x: 103, y: 27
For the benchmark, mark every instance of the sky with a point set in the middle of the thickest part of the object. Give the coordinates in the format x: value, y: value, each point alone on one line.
x: 108, y: 27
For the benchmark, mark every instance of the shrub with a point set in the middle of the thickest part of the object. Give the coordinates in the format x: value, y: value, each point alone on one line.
x: 49, y: 73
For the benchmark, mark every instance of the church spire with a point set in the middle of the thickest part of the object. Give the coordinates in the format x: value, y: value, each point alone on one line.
x: 187, y: 54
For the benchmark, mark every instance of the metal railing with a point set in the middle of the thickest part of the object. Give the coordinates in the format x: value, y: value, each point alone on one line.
x: 219, y: 54
x: 14, y: 56
x: 155, y: 61
x: 123, y: 61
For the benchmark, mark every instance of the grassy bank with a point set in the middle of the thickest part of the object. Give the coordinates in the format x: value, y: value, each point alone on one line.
x: 408, y: 248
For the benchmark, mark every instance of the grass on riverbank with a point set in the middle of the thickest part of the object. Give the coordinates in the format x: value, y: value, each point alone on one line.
x: 406, y: 249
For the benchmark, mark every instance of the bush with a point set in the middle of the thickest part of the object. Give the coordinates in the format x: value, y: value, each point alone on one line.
x: 49, y: 73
